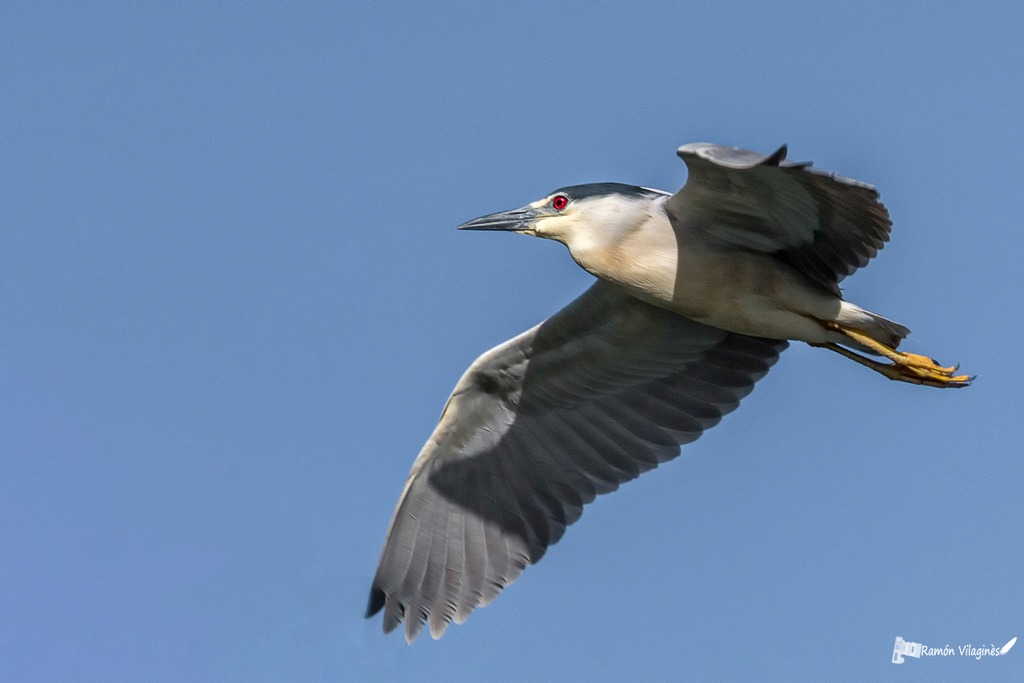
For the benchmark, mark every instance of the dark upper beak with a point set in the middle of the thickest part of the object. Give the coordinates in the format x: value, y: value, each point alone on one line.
x: 516, y: 219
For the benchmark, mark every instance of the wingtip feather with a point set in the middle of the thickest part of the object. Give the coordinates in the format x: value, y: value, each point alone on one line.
x: 777, y: 157
x: 376, y: 602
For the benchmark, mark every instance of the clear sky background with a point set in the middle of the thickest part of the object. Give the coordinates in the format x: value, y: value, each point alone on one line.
x: 233, y: 303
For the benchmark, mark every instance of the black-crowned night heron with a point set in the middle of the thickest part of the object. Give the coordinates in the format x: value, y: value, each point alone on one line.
x: 697, y: 293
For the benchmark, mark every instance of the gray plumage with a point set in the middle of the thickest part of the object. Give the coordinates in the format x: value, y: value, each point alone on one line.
x: 819, y: 223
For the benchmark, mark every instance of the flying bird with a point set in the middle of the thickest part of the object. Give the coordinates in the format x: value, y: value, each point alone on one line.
x: 697, y: 293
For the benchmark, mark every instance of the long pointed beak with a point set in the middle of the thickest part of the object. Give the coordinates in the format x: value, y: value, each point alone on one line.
x: 516, y: 220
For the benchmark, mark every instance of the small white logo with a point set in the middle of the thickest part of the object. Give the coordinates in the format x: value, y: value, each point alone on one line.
x: 916, y: 650
x: 902, y: 647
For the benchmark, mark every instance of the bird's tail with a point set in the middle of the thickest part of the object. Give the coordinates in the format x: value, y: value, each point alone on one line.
x: 875, y: 326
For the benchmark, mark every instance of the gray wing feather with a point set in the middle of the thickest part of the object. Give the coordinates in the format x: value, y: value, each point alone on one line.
x: 823, y: 225
x: 605, y: 390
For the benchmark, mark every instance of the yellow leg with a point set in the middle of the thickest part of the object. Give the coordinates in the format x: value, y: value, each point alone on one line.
x: 905, y: 367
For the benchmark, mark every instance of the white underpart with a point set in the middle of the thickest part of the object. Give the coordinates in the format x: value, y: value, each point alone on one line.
x: 634, y: 245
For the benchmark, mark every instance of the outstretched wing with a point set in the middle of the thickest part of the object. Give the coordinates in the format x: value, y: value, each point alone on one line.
x: 821, y: 224
x: 537, y: 427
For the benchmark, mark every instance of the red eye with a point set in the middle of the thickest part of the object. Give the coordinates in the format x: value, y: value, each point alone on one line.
x: 560, y: 202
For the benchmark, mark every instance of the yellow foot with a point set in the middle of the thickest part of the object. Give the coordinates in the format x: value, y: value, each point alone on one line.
x: 905, y: 367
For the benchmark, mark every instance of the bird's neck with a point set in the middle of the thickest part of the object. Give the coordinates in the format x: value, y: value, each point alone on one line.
x: 642, y: 259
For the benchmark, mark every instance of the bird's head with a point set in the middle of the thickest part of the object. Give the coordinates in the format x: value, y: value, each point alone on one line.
x: 582, y: 217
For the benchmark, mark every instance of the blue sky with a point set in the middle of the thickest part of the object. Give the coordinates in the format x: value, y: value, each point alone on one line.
x: 234, y: 303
